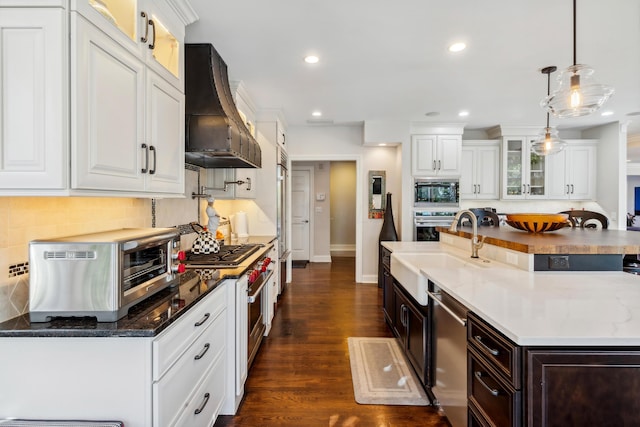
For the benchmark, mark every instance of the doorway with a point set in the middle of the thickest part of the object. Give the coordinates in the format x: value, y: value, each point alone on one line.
x: 328, y: 209
x: 301, y: 179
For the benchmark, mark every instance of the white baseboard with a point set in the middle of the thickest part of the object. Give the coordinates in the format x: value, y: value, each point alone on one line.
x: 342, y: 248
x: 321, y: 258
x: 369, y: 278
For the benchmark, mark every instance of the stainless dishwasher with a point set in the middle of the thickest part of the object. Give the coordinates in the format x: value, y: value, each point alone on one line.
x: 449, y: 326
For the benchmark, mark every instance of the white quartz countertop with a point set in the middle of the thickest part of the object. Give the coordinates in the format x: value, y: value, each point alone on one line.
x: 538, y: 308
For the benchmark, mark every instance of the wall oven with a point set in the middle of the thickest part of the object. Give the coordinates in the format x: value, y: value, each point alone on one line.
x: 426, y: 221
x: 436, y: 192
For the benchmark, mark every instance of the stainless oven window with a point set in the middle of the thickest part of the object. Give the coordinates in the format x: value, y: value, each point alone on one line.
x: 144, y: 265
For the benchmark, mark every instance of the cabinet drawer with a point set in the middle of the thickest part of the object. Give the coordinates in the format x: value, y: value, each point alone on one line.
x: 497, y: 349
x: 173, y: 391
x: 205, y: 404
x: 175, y: 340
x: 490, y: 396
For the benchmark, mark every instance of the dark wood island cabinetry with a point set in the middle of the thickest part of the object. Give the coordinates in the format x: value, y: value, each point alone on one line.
x: 510, y: 385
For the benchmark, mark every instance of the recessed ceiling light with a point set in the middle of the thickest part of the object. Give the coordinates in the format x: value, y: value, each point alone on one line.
x: 432, y: 114
x: 311, y: 59
x: 382, y: 144
x: 457, y: 47
x: 317, y: 114
x: 607, y: 113
x: 463, y: 113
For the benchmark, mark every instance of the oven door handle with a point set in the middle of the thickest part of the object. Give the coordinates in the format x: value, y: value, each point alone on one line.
x: 251, y: 298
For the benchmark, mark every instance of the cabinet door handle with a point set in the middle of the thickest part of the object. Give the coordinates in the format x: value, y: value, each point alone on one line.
x: 204, y: 319
x: 204, y: 403
x: 493, y: 351
x: 571, y: 188
x: 284, y: 139
x: 567, y: 188
x: 144, y: 38
x: 528, y: 188
x: 152, y: 24
x: 478, y: 188
x: 155, y: 159
x: 203, y: 352
x: 439, y: 165
x: 146, y: 158
x: 434, y: 165
x: 524, y: 188
x: 493, y: 391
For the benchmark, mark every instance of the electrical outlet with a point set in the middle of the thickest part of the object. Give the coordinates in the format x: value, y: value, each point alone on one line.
x: 559, y: 262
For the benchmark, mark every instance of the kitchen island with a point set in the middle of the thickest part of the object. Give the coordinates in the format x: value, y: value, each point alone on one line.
x: 543, y: 348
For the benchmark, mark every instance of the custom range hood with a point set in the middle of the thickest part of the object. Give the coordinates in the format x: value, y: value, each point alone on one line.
x: 216, y: 136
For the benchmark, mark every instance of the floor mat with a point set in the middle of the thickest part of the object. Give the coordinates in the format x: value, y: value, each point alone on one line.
x: 381, y: 375
x: 299, y: 263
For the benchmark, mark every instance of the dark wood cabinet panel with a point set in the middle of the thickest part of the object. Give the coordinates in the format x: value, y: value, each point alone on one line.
x: 503, y: 354
x: 582, y: 387
x: 388, y: 298
x: 493, y: 398
x: 411, y: 326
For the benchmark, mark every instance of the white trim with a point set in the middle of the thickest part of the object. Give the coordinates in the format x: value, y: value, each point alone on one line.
x: 360, y: 184
x: 348, y: 247
x: 321, y: 258
x: 311, y: 236
x: 369, y: 278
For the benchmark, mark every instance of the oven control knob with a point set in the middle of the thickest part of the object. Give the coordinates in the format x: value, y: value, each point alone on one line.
x: 179, y: 268
x: 180, y: 255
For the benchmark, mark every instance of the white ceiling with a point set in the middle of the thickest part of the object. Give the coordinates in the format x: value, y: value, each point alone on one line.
x: 388, y: 60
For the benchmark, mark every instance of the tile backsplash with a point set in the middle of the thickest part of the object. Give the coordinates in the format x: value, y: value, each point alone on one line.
x: 23, y: 219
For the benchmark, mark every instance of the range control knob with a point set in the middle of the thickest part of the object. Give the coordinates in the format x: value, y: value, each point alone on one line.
x: 178, y: 268
x: 180, y: 255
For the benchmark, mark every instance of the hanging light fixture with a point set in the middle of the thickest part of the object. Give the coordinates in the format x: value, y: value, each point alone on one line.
x: 547, y: 142
x: 577, y: 94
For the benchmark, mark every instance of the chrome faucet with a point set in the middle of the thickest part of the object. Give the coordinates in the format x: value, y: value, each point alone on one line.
x: 476, y: 243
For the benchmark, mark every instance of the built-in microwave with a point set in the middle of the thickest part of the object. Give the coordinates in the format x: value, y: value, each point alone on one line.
x: 436, y: 192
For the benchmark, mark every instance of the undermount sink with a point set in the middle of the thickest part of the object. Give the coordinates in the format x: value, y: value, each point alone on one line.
x: 405, y: 267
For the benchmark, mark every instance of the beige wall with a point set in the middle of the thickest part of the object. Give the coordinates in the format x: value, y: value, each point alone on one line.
x: 343, y: 207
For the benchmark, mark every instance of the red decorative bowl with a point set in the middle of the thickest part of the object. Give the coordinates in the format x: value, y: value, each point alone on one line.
x: 537, y: 223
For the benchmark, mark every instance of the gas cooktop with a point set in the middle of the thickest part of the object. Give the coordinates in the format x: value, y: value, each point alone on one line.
x: 229, y: 256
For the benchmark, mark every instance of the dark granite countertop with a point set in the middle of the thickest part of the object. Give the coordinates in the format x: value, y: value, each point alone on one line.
x: 147, y: 318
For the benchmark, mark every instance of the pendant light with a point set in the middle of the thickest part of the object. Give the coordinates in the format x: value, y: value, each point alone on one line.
x: 547, y: 142
x: 577, y: 94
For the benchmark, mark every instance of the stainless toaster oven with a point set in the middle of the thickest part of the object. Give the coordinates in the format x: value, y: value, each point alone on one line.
x: 101, y: 274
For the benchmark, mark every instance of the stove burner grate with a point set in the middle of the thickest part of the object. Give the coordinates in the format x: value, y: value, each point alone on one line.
x: 229, y: 256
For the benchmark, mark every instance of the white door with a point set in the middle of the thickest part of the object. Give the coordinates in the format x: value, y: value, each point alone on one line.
x: 300, y: 184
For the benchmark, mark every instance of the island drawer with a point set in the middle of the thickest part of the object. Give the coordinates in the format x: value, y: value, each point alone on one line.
x: 491, y: 399
x: 500, y: 352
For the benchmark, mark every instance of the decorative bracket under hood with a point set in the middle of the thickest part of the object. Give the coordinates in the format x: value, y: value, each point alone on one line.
x: 216, y: 136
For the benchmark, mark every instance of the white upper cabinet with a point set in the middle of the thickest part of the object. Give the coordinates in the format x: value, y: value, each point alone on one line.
x: 436, y: 155
x: 480, y: 167
x: 33, y: 100
x: 572, y: 172
x: 104, y: 113
x: 524, y: 173
x: 147, y: 28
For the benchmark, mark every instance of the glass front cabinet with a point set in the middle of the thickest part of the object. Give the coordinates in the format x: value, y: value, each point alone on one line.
x: 524, y: 173
x: 145, y: 29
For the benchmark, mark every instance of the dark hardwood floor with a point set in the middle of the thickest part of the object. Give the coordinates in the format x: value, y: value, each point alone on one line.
x: 301, y: 375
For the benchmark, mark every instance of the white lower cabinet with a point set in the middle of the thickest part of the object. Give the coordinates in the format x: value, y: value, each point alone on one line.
x: 175, y: 379
x: 200, y: 338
